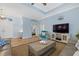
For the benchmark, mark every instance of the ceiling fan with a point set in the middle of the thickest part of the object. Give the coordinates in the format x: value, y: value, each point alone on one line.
x: 41, y: 3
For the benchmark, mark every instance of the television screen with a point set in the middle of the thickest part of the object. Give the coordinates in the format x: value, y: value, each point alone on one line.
x: 61, y: 28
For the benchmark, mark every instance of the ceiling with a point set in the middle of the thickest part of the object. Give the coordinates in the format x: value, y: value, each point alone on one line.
x: 50, y: 9
x: 37, y: 11
x: 46, y: 8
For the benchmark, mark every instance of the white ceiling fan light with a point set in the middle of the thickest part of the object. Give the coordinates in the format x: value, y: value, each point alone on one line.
x: 32, y: 3
x: 44, y: 4
x: 5, y: 18
x: 2, y: 17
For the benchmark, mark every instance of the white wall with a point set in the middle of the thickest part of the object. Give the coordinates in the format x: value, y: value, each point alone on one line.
x: 6, y: 28
x: 15, y: 12
x: 10, y: 29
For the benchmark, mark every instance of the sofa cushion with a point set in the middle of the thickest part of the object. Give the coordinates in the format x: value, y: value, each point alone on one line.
x: 68, y: 50
x: 76, y: 53
x: 77, y: 45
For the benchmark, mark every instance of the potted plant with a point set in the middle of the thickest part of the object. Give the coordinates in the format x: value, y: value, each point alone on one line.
x: 77, y: 35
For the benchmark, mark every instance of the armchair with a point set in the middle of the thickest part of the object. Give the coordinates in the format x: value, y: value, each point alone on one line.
x: 43, y: 37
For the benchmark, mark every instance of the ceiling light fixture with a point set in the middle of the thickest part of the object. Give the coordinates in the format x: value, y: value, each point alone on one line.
x: 41, y: 3
x: 44, y: 4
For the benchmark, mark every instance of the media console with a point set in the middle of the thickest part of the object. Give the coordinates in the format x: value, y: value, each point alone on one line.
x: 61, y: 37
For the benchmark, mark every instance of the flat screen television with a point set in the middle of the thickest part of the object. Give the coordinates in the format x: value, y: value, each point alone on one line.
x: 61, y: 28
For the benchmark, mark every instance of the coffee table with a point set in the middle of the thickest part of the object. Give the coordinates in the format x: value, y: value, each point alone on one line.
x: 39, y: 49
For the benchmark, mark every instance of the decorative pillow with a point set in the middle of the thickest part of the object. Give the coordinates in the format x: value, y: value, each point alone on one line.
x: 77, y: 45
x: 2, y: 42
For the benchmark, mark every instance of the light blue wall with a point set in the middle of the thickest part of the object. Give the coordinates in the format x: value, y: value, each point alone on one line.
x: 71, y: 17
x: 17, y: 26
x: 27, y: 27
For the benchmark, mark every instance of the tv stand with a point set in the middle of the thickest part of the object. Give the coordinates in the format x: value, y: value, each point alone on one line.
x: 60, y: 37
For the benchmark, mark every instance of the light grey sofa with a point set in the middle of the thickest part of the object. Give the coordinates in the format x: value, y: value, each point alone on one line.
x: 69, y: 49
